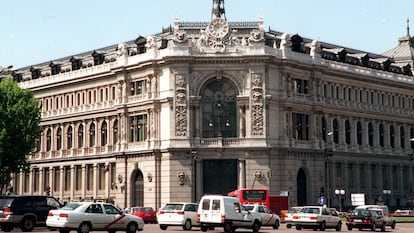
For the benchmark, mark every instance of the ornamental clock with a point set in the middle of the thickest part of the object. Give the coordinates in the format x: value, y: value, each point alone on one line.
x: 218, y: 28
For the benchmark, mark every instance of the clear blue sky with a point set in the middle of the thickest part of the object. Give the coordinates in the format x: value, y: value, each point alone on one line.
x: 36, y: 31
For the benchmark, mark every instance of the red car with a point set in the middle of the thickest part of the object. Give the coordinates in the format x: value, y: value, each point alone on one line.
x: 148, y: 214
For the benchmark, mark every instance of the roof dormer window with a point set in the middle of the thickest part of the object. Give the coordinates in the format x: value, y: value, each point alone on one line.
x: 55, y: 68
x: 76, y: 63
x: 98, y: 58
x: 35, y: 73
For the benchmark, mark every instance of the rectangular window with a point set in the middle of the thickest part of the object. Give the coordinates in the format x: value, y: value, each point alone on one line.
x: 101, y: 176
x: 373, y: 176
x: 78, y: 174
x: 300, y: 124
x: 395, y: 177
x: 67, y: 178
x: 300, y: 86
x: 362, y: 176
x: 89, y: 181
x: 26, y: 182
x: 56, y: 179
x: 36, y: 180
x: 138, y: 128
x: 351, y: 175
x: 137, y: 87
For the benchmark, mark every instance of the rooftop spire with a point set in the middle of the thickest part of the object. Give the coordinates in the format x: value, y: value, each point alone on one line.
x: 408, y: 27
x: 218, y: 9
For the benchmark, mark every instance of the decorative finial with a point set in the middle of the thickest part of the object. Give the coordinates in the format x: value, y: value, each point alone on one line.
x: 218, y: 9
x: 408, y: 27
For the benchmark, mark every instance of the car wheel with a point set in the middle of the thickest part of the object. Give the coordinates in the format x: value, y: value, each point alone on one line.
x: 227, y: 227
x: 393, y: 225
x: 84, y: 228
x: 383, y: 227
x: 6, y: 227
x: 373, y: 227
x: 256, y: 226
x: 131, y: 228
x: 27, y: 224
x: 63, y: 231
x: 276, y: 225
x: 288, y: 226
x: 298, y: 227
x: 203, y: 228
x: 163, y: 227
x: 322, y: 226
x: 187, y: 225
x: 338, y: 226
x: 349, y: 228
x: 110, y: 231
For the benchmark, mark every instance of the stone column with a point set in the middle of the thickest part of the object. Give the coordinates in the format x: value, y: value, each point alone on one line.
x: 61, y: 183
x: 72, y: 181
x: 83, y: 179
x: 41, y: 181
x: 107, y: 179
x: 242, y: 174
x: 95, y: 180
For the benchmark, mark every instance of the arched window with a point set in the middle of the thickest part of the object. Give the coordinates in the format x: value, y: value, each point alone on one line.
x: 392, y: 136
x: 92, y: 135
x: 381, y: 135
x: 115, y: 132
x: 48, y: 140
x: 324, y: 130
x: 219, y: 115
x: 104, y: 134
x: 402, y: 137
x: 359, y: 133
x: 347, y: 132
x: 335, y: 131
x: 69, y: 137
x: 412, y: 137
x: 370, y: 134
x: 80, y: 136
x: 59, y: 139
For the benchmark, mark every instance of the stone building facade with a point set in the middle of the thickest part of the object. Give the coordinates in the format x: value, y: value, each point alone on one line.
x: 211, y: 107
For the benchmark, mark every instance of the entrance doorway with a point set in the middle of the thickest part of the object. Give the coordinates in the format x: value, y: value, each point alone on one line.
x: 301, y: 187
x: 137, y: 194
x: 219, y: 176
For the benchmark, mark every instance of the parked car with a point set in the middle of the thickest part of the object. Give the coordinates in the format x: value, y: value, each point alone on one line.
x: 289, y: 215
x: 316, y: 217
x: 87, y: 216
x: 268, y: 218
x: 227, y: 212
x: 365, y: 218
x: 148, y: 214
x: 389, y: 220
x: 25, y: 211
x: 403, y: 212
x: 178, y: 214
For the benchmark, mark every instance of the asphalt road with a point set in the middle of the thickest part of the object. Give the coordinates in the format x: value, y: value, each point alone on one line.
x: 154, y: 228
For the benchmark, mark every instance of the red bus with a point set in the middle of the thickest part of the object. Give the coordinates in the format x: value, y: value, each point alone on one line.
x: 252, y: 195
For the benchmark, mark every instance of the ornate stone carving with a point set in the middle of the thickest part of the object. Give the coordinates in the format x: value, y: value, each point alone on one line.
x: 181, y: 106
x: 257, y: 104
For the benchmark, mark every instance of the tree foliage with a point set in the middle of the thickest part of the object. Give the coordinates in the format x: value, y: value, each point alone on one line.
x: 19, y: 128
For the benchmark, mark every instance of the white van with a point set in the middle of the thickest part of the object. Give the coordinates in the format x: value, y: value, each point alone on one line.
x: 227, y: 212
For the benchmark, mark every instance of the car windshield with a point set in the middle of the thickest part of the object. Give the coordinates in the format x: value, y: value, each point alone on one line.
x: 248, y: 207
x: 146, y: 209
x: 310, y: 210
x: 173, y: 207
x: 71, y: 206
x: 360, y: 213
x: 293, y: 210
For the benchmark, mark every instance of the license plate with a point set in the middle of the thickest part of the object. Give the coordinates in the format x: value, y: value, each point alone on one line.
x: 357, y: 220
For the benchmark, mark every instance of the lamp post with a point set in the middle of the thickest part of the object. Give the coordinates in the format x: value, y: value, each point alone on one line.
x: 340, y: 193
x: 386, y: 193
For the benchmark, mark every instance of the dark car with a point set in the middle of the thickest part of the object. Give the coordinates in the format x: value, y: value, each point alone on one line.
x: 365, y: 219
x: 148, y: 214
x: 25, y: 211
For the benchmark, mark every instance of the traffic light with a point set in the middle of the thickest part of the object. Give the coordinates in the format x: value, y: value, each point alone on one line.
x: 321, y: 191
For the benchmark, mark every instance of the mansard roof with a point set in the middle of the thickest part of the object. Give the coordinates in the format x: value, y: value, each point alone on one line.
x: 398, y: 60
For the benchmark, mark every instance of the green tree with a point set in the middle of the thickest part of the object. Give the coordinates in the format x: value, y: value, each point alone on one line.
x: 19, y: 128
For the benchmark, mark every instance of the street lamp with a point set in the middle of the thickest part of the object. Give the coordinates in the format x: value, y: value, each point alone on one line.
x: 340, y: 193
x: 386, y: 193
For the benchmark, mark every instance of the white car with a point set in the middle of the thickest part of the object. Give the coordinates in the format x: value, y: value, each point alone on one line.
x: 317, y: 217
x: 289, y: 215
x: 87, y: 216
x: 178, y: 214
x: 268, y: 217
